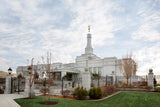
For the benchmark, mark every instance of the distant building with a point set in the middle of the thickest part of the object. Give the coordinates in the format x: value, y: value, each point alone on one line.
x: 3, y: 74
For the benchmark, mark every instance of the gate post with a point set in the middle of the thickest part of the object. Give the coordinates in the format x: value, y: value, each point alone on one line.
x: 8, y: 84
x: 86, y: 80
x: 27, y: 87
x: 150, y: 79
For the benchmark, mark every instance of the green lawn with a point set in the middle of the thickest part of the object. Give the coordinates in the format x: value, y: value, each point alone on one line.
x: 123, y: 99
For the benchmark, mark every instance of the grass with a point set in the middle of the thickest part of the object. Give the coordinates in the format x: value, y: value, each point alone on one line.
x: 123, y: 99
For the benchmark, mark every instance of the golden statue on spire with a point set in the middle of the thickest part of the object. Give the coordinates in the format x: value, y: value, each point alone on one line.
x: 89, y: 26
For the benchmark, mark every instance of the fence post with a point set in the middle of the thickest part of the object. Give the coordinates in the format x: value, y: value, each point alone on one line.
x: 150, y: 78
x: 106, y: 81
x: 62, y: 86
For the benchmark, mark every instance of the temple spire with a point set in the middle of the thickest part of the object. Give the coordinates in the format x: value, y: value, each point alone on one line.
x: 89, y: 26
x: 89, y: 49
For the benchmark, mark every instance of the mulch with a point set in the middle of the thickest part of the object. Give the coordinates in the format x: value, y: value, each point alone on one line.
x: 71, y: 98
x: 58, y: 96
x: 49, y: 103
x: 29, y: 98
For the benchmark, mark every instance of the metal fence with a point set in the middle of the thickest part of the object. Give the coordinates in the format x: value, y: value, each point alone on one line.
x: 72, y: 83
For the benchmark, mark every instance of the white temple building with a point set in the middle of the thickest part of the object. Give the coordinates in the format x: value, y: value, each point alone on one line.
x: 87, y: 61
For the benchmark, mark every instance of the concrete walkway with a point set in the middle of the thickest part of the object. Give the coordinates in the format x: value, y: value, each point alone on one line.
x: 6, y: 100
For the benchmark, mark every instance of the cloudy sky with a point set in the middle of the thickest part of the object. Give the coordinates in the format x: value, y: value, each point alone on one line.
x: 31, y: 28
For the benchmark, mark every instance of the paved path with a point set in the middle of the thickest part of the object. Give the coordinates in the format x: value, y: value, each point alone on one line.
x: 6, y: 100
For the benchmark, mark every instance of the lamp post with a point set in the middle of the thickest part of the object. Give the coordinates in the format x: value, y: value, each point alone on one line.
x: 10, y: 71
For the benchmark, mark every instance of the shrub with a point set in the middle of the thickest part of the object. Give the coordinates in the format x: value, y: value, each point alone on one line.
x: 142, y: 83
x: 95, y: 93
x: 44, y: 90
x: 95, y: 74
x: 92, y: 92
x: 155, y: 81
x: 108, y: 89
x: 116, y: 86
x: 92, y: 85
x: 99, y: 93
x: 80, y: 93
x: 130, y: 85
x: 124, y: 84
x: 19, y: 76
x: 66, y: 93
x: 148, y: 87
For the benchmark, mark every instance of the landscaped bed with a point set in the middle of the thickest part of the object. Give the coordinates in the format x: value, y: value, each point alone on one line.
x: 123, y: 99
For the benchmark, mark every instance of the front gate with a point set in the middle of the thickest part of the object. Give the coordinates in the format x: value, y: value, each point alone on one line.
x: 17, y: 84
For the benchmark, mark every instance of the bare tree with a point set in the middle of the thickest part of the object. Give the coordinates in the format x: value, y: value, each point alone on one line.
x: 128, y: 66
x: 48, y: 70
x: 32, y: 74
x: 31, y: 79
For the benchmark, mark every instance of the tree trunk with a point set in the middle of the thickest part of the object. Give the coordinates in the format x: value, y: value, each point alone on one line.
x: 127, y: 81
x: 30, y: 92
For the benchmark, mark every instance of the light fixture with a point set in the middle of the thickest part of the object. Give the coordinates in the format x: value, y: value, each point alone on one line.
x: 9, y: 71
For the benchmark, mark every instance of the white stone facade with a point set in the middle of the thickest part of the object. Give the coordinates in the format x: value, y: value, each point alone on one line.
x: 86, y: 80
x: 8, y: 84
x: 104, y: 66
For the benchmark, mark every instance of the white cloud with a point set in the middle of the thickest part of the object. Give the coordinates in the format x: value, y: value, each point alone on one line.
x: 149, y: 24
x: 96, y: 14
x: 148, y: 57
x: 147, y: 32
x: 3, y: 64
x: 73, y: 39
x: 38, y: 29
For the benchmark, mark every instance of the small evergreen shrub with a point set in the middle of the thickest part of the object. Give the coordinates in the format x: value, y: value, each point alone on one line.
x: 92, y: 92
x: 95, y: 74
x: 92, y: 85
x: 80, y: 93
x: 99, y: 93
x: 95, y: 93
